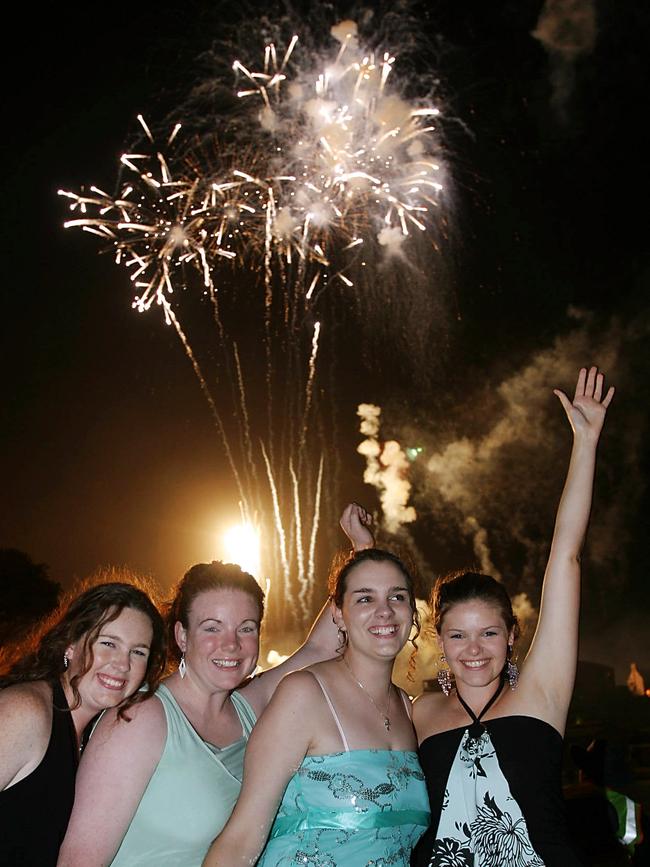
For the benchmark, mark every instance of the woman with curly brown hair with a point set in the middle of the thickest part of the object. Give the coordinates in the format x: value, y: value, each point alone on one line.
x: 93, y: 653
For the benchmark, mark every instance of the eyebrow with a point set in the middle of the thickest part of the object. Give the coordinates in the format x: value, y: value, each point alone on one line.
x: 121, y: 640
x: 460, y: 629
x: 216, y: 620
x: 374, y: 590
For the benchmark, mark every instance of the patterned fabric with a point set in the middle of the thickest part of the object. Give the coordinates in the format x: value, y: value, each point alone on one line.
x: 363, y: 808
x: 481, y: 824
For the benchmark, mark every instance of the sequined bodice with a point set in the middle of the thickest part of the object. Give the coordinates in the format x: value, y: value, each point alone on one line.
x: 350, y: 809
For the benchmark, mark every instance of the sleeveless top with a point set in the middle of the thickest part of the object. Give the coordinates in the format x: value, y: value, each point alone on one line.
x: 350, y: 809
x: 496, y: 796
x: 190, y: 795
x: 35, y: 811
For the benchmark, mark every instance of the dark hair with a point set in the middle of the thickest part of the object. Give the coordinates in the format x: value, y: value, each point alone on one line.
x: 341, y: 568
x: 450, y: 590
x: 81, y: 617
x: 199, y: 579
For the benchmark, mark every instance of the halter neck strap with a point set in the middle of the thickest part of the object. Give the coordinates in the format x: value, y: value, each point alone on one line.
x: 476, y: 720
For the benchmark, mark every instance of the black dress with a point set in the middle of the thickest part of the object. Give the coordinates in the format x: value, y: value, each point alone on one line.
x: 520, y: 819
x: 34, y: 813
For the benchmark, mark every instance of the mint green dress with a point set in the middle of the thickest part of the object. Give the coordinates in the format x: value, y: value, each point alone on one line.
x: 357, y: 808
x: 190, y: 796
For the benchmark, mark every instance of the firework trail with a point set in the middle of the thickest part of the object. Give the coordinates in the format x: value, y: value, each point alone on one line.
x: 328, y: 169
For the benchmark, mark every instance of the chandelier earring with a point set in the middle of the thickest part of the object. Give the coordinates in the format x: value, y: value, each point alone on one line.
x: 182, y: 667
x: 66, y: 662
x: 512, y: 670
x: 444, y: 676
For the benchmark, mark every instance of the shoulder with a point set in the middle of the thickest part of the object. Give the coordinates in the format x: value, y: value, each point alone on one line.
x: 146, y: 726
x: 298, y: 684
x: 26, y: 711
x: 427, y: 710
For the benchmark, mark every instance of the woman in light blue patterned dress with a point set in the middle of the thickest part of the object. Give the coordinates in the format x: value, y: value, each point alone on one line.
x: 335, y: 749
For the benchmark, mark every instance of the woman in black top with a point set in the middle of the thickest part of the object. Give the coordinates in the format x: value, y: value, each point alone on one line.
x: 94, y: 654
x: 492, y: 753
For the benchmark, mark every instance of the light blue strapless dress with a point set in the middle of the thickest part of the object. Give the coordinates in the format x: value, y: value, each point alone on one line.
x: 357, y: 808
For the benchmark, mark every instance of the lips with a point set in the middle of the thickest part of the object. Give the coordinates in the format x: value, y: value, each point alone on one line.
x: 474, y: 663
x: 383, y: 631
x: 108, y: 682
x: 226, y: 663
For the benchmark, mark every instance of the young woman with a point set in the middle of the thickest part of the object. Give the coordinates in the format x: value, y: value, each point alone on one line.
x: 156, y: 791
x: 96, y: 654
x: 491, y: 747
x: 358, y: 795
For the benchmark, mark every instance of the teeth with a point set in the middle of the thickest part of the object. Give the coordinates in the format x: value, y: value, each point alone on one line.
x: 112, y: 681
x: 226, y: 663
x: 474, y: 663
x: 383, y: 630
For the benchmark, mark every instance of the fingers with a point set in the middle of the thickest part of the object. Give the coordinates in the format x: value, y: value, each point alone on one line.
x: 580, y: 384
x: 590, y: 384
x: 609, y: 396
x: 564, y: 400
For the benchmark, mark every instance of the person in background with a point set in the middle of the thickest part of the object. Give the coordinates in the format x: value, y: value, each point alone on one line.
x: 95, y: 652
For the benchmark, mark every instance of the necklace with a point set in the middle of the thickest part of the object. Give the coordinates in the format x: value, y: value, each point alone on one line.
x: 384, y: 714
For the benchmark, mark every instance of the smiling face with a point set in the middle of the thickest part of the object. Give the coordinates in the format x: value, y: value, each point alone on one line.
x: 376, y: 610
x: 475, y: 641
x: 120, y: 655
x: 221, y: 642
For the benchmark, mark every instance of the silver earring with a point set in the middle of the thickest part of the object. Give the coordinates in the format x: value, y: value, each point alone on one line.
x: 444, y: 677
x: 182, y: 667
x: 512, y: 670
x: 66, y: 662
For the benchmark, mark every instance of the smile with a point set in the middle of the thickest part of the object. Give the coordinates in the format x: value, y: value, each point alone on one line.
x: 474, y: 663
x: 383, y: 630
x: 225, y: 663
x: 111, y: 682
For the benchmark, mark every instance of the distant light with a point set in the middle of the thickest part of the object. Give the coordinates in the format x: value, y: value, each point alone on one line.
x: 412, y: 452
x: 242, y: 546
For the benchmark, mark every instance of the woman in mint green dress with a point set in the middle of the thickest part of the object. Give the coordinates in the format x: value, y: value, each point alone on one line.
x: 335, y: 754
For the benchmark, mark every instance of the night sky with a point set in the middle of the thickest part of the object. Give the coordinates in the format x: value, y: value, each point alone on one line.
x: 109, y: 455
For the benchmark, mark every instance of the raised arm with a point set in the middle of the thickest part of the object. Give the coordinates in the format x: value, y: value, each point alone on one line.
x: 116, y: 767
x: 323, y: 638
x: 551, y: 663
x: 276, y: 748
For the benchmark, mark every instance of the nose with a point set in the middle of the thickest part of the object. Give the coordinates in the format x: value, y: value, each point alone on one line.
x: 122, y: 659
x: 384, y: 608
x: 230, y: 639
x: 473, y: 647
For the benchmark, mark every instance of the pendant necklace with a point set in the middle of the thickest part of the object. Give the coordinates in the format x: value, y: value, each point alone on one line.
x: 385, y: 715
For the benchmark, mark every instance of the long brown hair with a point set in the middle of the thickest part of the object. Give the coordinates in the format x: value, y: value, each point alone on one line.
x: 80, y: 618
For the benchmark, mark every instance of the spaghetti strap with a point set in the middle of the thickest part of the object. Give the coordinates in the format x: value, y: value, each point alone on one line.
x: 407, y: 703
x: 331, y: 707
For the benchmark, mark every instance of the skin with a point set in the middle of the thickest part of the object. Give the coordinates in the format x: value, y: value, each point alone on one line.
x: 476, y: 630
x: 377, y: 616
x: 221, y: 646
x: 118, y: 668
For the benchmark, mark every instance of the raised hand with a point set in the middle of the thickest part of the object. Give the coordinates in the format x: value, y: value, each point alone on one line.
x: 586, y: 413
x: 355, y: 523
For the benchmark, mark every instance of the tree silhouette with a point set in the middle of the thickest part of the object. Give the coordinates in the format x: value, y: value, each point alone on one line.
x: 27, y: 594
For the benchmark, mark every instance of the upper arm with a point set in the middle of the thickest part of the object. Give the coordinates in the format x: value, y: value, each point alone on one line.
x: 423, y: 716
x: 276, y: 748
x: 116, y: 767
x: 321, y: 644
x: 24, y: 733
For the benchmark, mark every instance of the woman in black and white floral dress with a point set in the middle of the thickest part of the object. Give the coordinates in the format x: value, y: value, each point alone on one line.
x: 491, y: 752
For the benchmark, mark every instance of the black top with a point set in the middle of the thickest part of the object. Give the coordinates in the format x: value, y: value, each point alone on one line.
x: 34, y: 812
x: 529, y: 752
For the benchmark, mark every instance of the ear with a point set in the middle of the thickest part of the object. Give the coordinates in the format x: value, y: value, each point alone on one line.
x: 69, y: 651
x: 511, y: 639
x: 180, y: 634
x: 337, y: 615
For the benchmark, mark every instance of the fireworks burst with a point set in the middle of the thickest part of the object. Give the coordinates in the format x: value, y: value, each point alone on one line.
x: 331, y: 170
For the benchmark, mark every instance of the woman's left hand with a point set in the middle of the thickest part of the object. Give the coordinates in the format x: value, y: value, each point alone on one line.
x: 586, y: 413
x: 355, y: 523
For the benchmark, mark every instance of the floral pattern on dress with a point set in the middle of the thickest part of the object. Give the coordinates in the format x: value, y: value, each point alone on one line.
x: 481, y: 824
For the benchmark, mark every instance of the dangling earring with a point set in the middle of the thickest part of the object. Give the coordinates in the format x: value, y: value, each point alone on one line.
x: 512, y: 671
x: 182, y: 667
x: 444, y: 676
x: 66, y: 662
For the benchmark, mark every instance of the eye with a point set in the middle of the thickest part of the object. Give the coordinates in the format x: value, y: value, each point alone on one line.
x: 138, y: 651
x: 364, y: 599
x: 399, y: 597
x: 456, y: 635
x: 107, y: 643
x: 248, y: 629
x: 490, y: 633
x: 211, y: 629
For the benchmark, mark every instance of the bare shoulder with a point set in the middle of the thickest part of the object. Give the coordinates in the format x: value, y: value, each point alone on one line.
x: 428, y: 711
x: 145, y: 728
x: 26, y: 711
x: 299, y: 684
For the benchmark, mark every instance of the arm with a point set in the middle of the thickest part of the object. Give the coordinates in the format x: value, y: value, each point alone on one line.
x: 551, y: 662
x: 26, y: 715
x: 277, y: 746
x: 323, y: 639
x: 116, y: 767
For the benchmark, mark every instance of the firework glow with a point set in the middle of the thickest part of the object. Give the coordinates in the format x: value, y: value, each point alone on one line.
x: 336, y: 172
